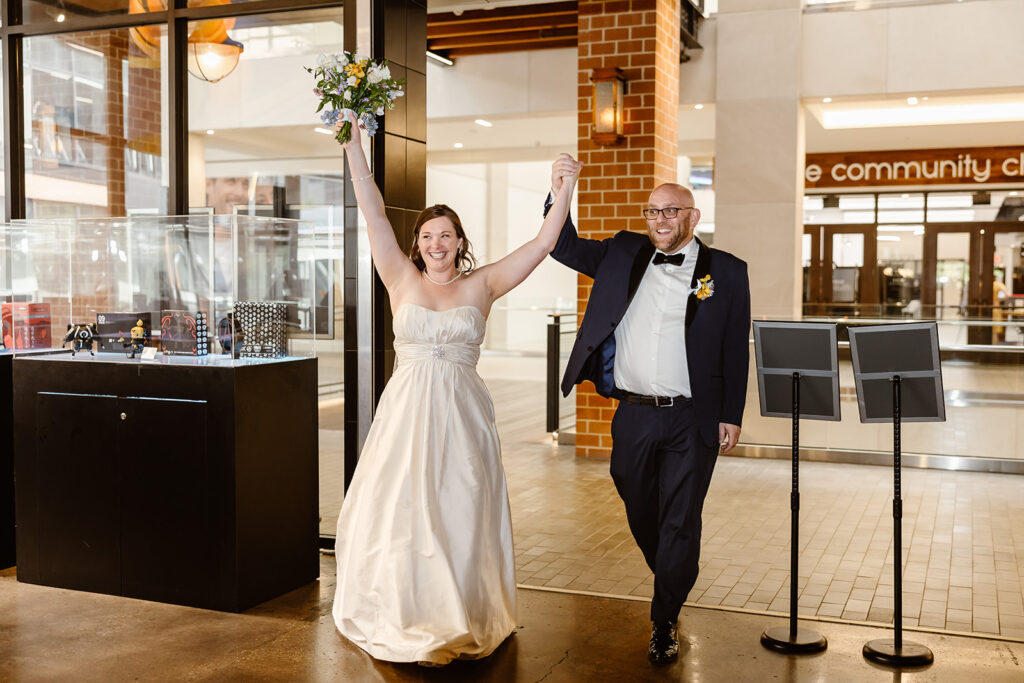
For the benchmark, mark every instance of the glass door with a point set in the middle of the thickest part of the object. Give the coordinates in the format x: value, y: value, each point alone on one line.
x: 840, y: 270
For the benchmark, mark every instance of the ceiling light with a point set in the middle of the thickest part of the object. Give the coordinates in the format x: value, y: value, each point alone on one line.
x: 209, y: 132
x: 1013, y: 194
x: 440, y: 59
x: 698, y: 106
x: 323, y: 130
x: 826, y: 100
x: 911, y: 100
x: 61, y: 17
x: 484, y: 123
x: 923, y: 115
x: 457, y: 145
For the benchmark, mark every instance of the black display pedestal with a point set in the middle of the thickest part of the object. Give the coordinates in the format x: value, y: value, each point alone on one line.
x: 180, y: 483
x: 7, y: 555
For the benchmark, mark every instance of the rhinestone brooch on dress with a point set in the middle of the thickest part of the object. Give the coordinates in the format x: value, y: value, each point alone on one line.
x: 437, y: 352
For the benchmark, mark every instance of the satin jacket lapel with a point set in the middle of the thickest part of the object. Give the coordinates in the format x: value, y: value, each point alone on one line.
x: 702, y: 268
x: 636, y: 273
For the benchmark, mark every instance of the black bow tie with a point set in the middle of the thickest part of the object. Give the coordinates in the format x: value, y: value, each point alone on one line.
x: 672, y: 259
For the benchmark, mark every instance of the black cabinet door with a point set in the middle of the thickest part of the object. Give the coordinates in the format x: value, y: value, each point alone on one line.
x: 77, y: 491
x: 165, y: 521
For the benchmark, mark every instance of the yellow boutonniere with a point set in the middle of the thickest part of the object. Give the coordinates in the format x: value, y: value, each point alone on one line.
x: 705, y: 288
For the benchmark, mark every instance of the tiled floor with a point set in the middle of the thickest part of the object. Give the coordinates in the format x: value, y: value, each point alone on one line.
x: 963, y: 532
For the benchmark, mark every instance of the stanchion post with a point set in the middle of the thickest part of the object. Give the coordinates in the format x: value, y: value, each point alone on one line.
x: 554, y: 331
x: 893, y: 651
x: 794, y: 640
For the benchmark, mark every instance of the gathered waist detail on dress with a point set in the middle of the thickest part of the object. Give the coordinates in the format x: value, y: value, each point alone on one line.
x: 461, y: 353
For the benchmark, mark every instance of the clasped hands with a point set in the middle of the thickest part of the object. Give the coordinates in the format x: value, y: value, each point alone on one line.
x: 565, y: 166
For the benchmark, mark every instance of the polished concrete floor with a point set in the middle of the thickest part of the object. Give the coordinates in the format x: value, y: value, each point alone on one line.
x: 965, y: 572
x: 49, y: 634
x: 963, y: 531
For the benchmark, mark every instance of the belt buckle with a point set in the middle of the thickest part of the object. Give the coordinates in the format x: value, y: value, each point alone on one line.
x: 664, y: 401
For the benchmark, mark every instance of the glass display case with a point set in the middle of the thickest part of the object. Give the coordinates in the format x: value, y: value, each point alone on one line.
x: 200, y: 290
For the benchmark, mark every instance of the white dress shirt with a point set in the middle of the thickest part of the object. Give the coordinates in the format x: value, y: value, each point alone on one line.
x: 650, y: 341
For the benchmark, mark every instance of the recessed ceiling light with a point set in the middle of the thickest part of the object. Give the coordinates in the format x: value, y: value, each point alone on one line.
x: 484, y: 123
x: 911, y: 100
x: 61, y: 17
x: 323, y: 130
x: 209, y: 132
x: 826, y: 100
x: 457, y: 145
x: 698, y: 106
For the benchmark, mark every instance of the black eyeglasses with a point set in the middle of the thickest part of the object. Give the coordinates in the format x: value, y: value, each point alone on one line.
x: 668, y: 212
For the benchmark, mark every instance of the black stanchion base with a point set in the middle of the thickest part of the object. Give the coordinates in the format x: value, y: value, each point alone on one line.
x: 805, y: 642
x: 883, y: 651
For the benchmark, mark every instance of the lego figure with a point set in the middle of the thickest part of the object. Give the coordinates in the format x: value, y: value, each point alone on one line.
x: 81, y: 336
x: 139, y: 338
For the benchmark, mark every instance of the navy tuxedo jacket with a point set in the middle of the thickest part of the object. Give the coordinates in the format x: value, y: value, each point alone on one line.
x: 717, y: 328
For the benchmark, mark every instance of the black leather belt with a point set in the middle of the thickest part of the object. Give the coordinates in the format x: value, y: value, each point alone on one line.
x: 656, y: 401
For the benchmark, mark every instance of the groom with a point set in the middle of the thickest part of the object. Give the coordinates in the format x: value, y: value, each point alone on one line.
x: 666, y: 333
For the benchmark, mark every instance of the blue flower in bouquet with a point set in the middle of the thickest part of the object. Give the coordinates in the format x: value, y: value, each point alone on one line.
x: 330, y: 117
x: 353, y: 81
x: 369, y: 122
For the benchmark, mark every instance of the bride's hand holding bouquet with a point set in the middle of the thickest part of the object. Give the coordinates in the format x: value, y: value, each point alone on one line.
x: 352, y: 82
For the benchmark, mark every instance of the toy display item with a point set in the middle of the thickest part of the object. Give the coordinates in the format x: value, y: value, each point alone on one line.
x: 81, y: 336
x: 26, y: 325
x: 138, y: 339
x: 184, y: 333
x: 112, y: 326
x: 262, y: 326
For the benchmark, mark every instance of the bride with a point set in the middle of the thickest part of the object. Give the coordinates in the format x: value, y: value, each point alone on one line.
x: 426, y: 570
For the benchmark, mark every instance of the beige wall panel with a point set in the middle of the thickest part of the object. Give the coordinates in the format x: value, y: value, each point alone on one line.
x: 758, y: 55
x: 844, y: 53
x: 730, y: 6
x: 697, y: 76
x: 958, y: 46
x: 758, y: 146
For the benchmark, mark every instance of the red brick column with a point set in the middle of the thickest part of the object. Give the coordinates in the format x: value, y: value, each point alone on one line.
x: 640, y: 37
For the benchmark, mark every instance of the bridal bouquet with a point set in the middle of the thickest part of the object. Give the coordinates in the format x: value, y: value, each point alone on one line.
x: 347, y: 81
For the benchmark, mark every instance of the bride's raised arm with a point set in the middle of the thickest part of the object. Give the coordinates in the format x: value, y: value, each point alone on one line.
x: 391, y: 262
x: 505, y: 274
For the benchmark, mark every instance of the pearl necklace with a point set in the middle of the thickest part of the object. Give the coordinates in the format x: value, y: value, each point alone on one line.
x: 458, y: 274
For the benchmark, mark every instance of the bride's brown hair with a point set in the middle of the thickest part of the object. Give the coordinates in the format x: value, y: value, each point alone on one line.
x: 464, y: 259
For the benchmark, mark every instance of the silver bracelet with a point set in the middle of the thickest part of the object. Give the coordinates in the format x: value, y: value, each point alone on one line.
x: 365, y: 177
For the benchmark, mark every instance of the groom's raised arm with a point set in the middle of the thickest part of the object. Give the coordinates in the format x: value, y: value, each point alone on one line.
x: 580, y: 254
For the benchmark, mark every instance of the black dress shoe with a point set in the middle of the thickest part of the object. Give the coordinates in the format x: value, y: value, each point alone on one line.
x: 664, y: 647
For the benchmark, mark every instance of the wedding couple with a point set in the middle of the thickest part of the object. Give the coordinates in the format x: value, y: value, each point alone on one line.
x: 424, y: 545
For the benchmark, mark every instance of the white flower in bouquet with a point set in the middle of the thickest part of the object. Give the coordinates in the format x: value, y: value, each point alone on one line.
x: 352, y: 82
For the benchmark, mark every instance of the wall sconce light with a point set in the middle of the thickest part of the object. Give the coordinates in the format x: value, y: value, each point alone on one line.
x: 609, y: 89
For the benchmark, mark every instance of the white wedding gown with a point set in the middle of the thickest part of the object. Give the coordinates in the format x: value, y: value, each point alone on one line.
x: 426, y: 568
